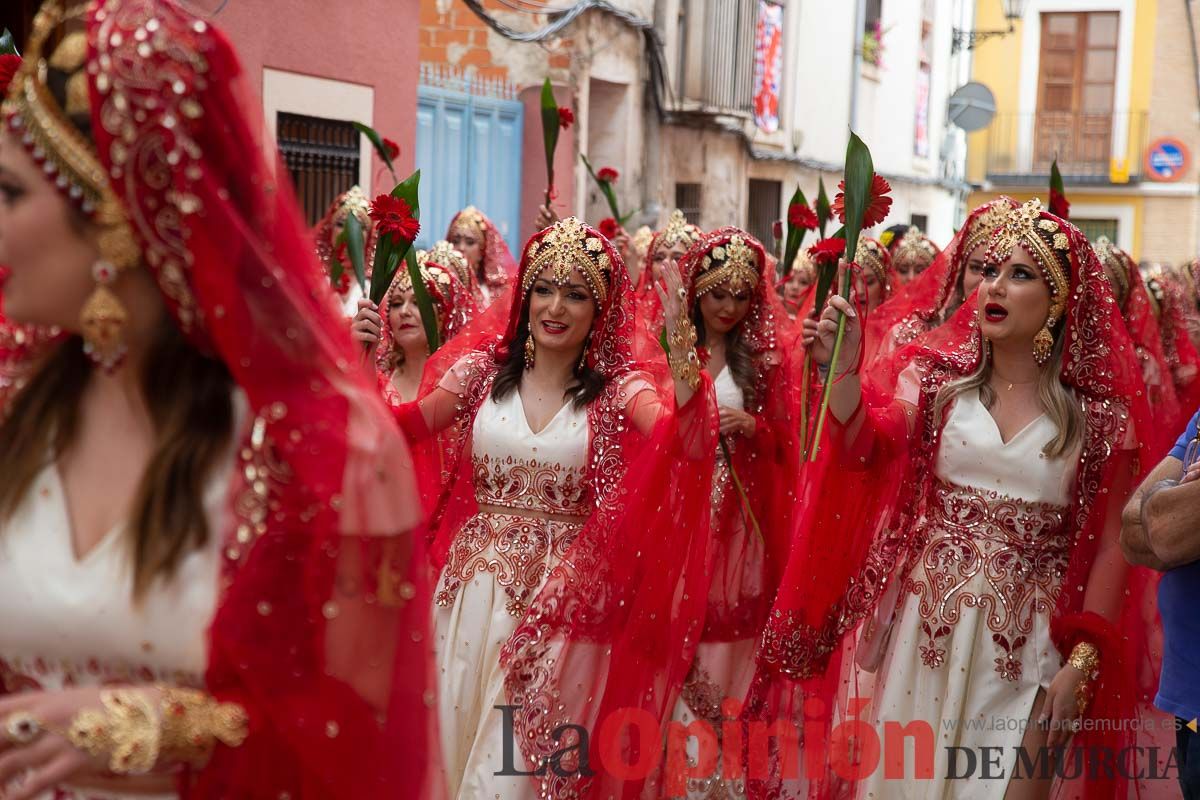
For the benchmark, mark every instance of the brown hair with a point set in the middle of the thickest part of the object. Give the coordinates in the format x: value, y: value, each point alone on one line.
x: 190, y: 403
x: 737, y: 357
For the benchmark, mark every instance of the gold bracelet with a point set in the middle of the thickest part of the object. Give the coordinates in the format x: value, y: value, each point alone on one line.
x: 1085, y: 658
x: 685, y: 366
x: 135, y: 735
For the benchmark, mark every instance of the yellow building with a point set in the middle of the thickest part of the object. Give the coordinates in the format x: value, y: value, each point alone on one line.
x: 1109, y: 88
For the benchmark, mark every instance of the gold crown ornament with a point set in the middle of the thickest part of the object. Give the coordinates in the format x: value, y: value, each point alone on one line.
x: 679, y: 231
x: 734, y: 263
x: 1114, y: 268
x: 986, y: 224
x: 356, y: 203
x: 471, y: 218
x: 569, y: 246
x: 68, y: 159
x: 445, y: 256
x: 870, y: 254
x: 1049, y: 245
x: 914, y: 247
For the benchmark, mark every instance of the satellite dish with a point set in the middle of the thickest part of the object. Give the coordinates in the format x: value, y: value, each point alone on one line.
x: 972, y: 106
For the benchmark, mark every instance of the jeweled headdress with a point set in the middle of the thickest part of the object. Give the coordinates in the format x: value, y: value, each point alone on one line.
x: 985, y: 225
x: 1045, y: 240
x: 444, y: 255
x: 872, y: 255
x: 734, y: 262
x: 356, y: 203
x: 915, y: 249
x: 1115, y: 267
x: 679, y: 231
x: 568, y: 246
x: 472, y: 219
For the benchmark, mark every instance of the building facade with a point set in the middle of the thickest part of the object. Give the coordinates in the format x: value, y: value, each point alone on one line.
x: 1109, y: 88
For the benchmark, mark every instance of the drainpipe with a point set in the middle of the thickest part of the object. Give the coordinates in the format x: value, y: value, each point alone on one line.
x: 860, y: 13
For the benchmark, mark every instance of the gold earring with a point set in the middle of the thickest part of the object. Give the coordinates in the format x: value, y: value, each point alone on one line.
x: 583, y: 356
x: 1043, y: 343
x: 103, y: 320
x: 529, y: 352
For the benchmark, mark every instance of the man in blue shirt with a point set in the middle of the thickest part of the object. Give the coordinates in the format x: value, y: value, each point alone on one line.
x: 1159, y: 530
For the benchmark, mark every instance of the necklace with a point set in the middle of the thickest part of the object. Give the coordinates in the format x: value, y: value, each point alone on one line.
x: 1011, y: 384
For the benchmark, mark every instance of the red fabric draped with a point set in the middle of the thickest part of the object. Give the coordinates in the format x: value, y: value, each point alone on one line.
x: 840, y: 576
x: 497, y: 267
x: 612, y: 632
x: 321, y: 626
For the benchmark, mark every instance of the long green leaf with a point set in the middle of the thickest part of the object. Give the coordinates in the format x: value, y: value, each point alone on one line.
x: 8, y: 44
x: 389, y: 254
x: 605, y: 189
x: 356, y: 250
x: 377, y: 142
x: 550, y: 128
x: 860, y: 172
x: 823, y: 207
x: 795, y: 235
x: 424, y: 302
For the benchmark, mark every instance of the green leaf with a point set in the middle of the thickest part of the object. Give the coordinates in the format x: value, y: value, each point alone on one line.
x: 377, y: 142
x: 424, y: 301
x: 627, y: 217
x: 388, y: 253
x: 823, y: 207
x: 860, y: 172
x: 794, y: 236
x: 356, y: 249
x: 8, y: 44
x: 550, y: 128
x: 1056, y: 179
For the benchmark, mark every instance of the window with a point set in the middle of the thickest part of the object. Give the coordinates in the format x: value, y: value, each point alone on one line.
x: 765, y: 199
x: 874, y: 17
x: 687, y: 200
x: 716, y: 64
x: 1093, y: 229
x: 1077, y: 74
x: 920, y: 221
x: 322, y: 157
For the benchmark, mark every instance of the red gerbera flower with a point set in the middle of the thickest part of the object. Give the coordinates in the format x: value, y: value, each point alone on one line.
x: 394, y: 218
x: 1059, y: 205
x: 608, y: 175
x: 566, y: 117
x: 801, y: 216
x: 610, y: 228
x: 392, y: 148
x: 827, y: 250
x: 877, y: 206
x: 9, y: 64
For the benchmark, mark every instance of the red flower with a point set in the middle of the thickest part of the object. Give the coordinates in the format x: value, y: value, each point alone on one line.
x: 801, y: 216
x: 394, y: 218
x: 608, y: 175
x: 777, y: 229
x: 9, y: 64
x: 566, y: 117
x: 827, y: 250
x: 1059, y: 206
x: 610, y: 228
x: 392, y: 148
x: 877, y: 206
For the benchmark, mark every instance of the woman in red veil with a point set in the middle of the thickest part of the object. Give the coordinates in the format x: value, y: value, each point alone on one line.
x: 742, y: 336
x: 572, y: 533
x: 329, y: 228
x: 1175, y: 310
x: 988, y: 584
x: 481, y: 243
x: 912, y: 254
x: 668, y: 246
x: 211, y: 580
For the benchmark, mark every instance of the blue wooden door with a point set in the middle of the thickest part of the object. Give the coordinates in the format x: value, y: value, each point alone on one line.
x: 469, y: 153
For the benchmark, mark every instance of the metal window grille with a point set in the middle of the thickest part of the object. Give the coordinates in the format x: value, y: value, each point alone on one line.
x: 687, y: 200
x: 765, y: 198
x: 1093, y: 229
x: 322, y: 157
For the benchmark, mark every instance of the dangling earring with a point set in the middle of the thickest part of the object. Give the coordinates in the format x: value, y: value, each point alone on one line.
x: 529, y: 352
x: 103, y: 320
x: 583, y: 357
x: 1043, y: 343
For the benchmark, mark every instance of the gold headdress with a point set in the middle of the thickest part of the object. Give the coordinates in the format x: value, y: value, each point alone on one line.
x: 472, y: 219
x: 1115, y: 268
x: 69, y: 159
x: 1050, y: 247
x: 444, y: 255
x: 986, y: 224
x: 569, y: 246
x: 734, y: 263
x: 432, y: 274
x: 679, y: 231
x: 356, y: 203
x: 870, y: 254
x: 914, y: 248
x: 803, y: 263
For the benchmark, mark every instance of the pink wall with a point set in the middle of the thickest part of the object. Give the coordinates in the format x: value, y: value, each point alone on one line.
x: 371, y: 42
x: 533, y: 149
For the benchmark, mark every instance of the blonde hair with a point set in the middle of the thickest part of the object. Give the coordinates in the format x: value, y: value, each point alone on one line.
x: 1057, y: 400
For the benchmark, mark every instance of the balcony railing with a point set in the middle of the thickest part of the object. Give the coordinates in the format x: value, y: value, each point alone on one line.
x: 1021, y: 147
x: 716, y: 68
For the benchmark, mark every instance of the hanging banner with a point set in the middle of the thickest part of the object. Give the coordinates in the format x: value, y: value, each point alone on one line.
x: 768, y: 64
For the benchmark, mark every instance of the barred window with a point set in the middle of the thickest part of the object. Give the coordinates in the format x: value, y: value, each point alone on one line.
x: 687, y: 200
x: 322, y: 156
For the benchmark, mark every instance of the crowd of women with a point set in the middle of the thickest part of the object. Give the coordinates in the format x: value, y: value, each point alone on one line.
x: 586, y: 547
